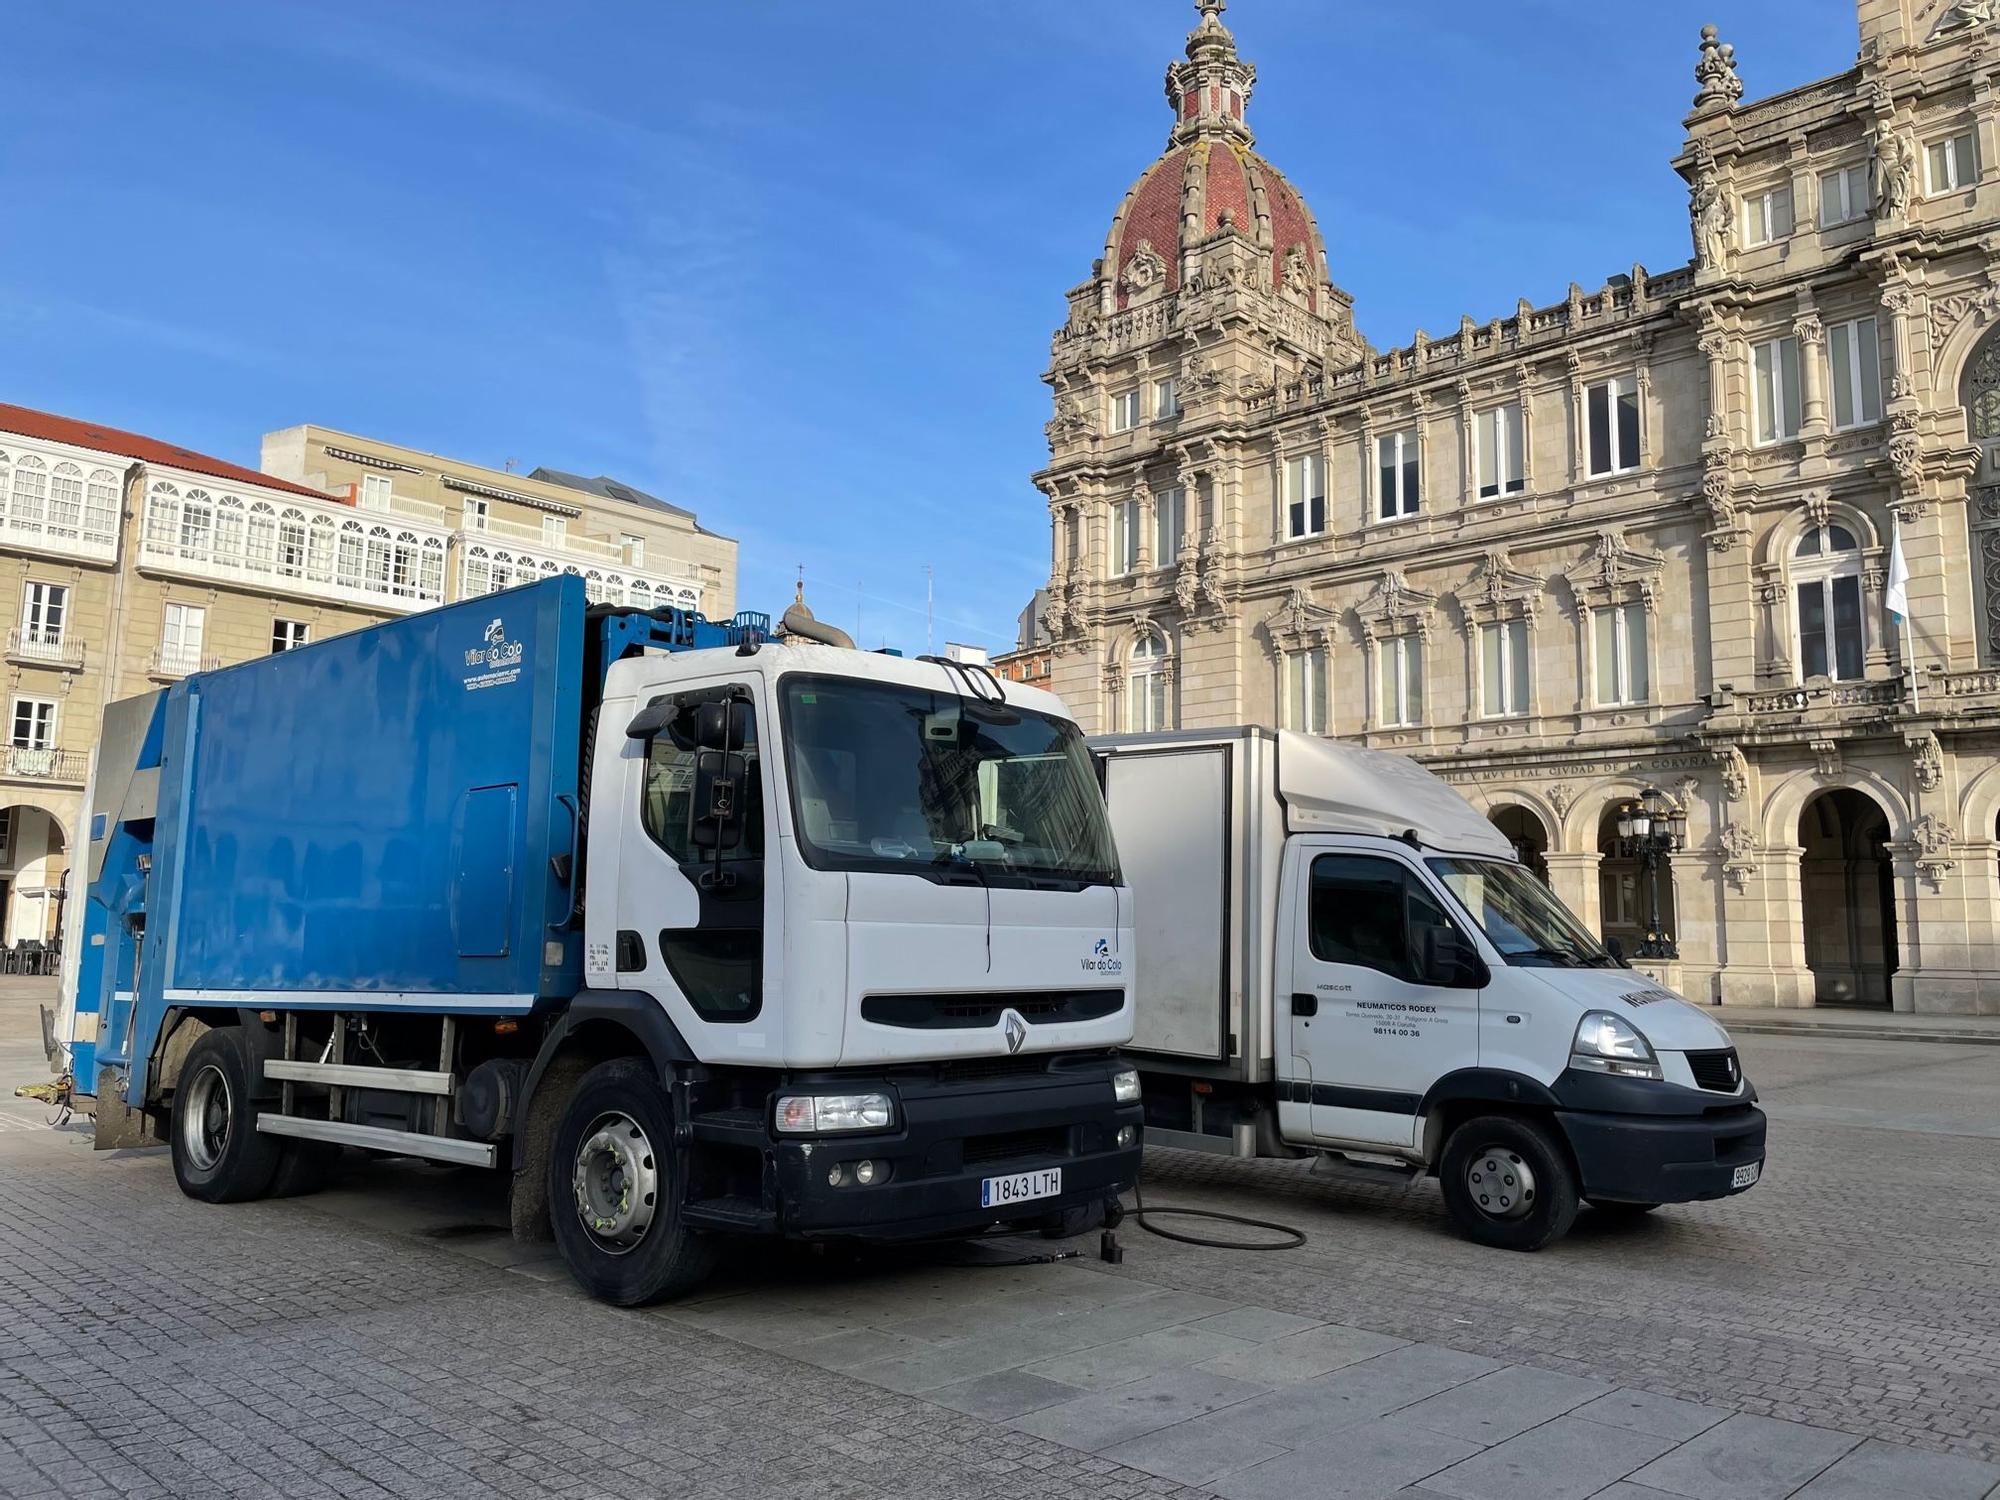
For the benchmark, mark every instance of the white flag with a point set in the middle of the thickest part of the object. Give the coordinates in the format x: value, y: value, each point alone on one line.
x: 1896, y: 595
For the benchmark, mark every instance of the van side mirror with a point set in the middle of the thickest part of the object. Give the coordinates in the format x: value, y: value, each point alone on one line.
x: 715, y: 810
x: 1451, y: 961
x: 719, y: 725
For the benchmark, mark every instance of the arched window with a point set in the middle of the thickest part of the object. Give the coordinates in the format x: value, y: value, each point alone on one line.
x: 403, y: 567
x: 640, y: 594
x: 1146, y: 685
x: 66, y: 501
x: 476, y: 573
x: 197, y: 536
x: 292, y: 544
x: 1826, y: 582
x: 163, y: 518
x: 262, y: 548
x: 229, y: 531
x: 100, y: 504
x: 430, y: 582
x: 347, y: 567
x: 6, y: 473
x: 31, y: 493
x: 380, y: 564
x: 319, y: 550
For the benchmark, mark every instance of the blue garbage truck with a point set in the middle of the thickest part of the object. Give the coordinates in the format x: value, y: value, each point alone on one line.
x: 697, y: 929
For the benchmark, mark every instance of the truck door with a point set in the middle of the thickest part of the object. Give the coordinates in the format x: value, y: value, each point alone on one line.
x: 1372, y: 1014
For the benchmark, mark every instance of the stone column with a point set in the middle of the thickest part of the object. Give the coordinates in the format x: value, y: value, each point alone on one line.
x: 1765, y: 924
x: 1468, y: 458
x: 1978, y: 875
x: 1147, y: 505
x: 1811, y: 335
x: 1371, y: 678
x: 1573, y: 879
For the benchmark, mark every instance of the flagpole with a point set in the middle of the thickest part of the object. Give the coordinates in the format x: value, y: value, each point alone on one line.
x: 1910, y: 655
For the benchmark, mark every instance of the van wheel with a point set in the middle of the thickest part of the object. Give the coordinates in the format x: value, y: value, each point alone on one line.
x: 219, y: 1154
x: 614, y: 1198
x: 1508, y: 1182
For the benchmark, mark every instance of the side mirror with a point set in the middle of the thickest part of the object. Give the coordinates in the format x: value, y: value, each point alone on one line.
x: 1616, y: 948
x: 715, y: 810
x: 719, y: 725
x: 651, y: 719
x: 1453, y: 963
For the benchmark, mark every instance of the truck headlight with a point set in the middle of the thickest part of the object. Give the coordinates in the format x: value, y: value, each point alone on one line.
x: 1125, y: 1086
x: 810, y: 1114
x: 1606, y: 1044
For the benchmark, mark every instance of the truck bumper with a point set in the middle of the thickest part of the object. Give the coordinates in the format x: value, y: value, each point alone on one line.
x: 1666, y: 1158
x: 949, y: 1138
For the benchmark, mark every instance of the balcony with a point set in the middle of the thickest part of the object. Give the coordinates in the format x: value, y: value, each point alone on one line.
x: 29, y: 647
x: 24, y: 763
x: 171, y: 663
x: 1823, y: 693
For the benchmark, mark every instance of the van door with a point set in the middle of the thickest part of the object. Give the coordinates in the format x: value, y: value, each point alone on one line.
x: 1381, y: 1000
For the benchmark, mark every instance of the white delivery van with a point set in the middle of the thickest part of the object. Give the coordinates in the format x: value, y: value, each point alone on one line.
x: 1337, y: 954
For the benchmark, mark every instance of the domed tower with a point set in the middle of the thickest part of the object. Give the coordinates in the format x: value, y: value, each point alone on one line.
x: 1212, y: 293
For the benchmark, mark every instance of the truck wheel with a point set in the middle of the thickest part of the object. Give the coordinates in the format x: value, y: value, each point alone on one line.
x: 1508, y: 1183
x: 614, y: 1202
x: 304, y: 1168
x: 219, y: 1154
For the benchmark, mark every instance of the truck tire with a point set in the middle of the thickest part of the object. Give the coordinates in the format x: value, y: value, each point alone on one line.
x: 304, y: 1167
x: 1508, y: 1182
x: 219, y: 1154
x: 614, y: 1195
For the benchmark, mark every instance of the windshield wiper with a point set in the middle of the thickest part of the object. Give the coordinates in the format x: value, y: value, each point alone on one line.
x: 1560, y: 956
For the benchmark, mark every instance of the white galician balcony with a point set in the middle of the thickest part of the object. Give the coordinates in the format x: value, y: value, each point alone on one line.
x: 28, y: 646
x: 55, y: 498
x: 169, y: 663
x: 489, y: 561
x: 26, y: 763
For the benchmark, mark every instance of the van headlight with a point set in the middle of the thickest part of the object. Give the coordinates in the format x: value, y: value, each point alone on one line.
x: 1606, y: 1044
x: 811, y: 1114
x: 1125, y: 1086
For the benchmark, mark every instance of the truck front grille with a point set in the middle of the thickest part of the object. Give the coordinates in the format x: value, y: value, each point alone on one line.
x: 1717, y: 1071
x: 1017, y: 1145
x: 978, y: 1011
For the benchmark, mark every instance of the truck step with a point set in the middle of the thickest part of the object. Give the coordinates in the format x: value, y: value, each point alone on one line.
x: 1365, y: 1168
x: 352, y: 1075
x: 730, y: 1215
x: 380, y: 1138
x: 731, y: 1127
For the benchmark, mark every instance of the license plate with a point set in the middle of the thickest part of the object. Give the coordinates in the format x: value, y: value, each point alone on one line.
x: 1021, y: 1187
x: 1744, y: 1176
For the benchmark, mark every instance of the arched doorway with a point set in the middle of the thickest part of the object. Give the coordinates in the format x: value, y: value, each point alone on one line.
x: 1525, y: 832
x: 1625, y: 891
x: 34, y: 858
x: 1848, y: 892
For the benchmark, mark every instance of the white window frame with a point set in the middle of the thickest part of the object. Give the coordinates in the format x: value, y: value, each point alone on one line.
x: 1166, y: 399
x: 1169, y: 525
x: 1863, y: 339
x: 476, y: 514
x: 634, y: 548
x: 1770, y: 412
x: 1308, y: 707
x: 555, y: 531
x: 44, y: 613
x: 1959, y: 174
x: 1402, y: 500
x: 1125, y: 410
x: 175, y: 651
x: 1509, y: 629
x: 1125, y: 520
x: 1825, y: 568
x: 41, y: 722
x: 1762, y: 216
x: 1628, y: 639
x: 289, y: 635
x: 1494, y: 433
x: 1855, y: 203
x: 1147, y: 708
x: 1305, y: 496
x: 1399, y: 703
x: 377, y: 492
x: 1615, y: 388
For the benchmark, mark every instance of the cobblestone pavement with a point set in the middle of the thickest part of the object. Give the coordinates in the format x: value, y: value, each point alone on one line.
x: 1830, y: 1333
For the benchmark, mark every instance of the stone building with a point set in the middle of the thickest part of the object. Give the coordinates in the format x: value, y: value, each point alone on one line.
x: 1641, y: 538
x: 131, y: 562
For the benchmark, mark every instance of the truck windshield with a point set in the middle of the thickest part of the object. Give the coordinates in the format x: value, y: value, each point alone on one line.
x: 1519, y: 916
x: 894, y: 778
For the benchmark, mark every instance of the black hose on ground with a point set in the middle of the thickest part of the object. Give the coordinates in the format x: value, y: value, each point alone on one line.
x: 1292, y: 1239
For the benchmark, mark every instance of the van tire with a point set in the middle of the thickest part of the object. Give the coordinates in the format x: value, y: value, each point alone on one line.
x: 613, y: 1156
x: 219, y: 1154
x: 1508, y: 1182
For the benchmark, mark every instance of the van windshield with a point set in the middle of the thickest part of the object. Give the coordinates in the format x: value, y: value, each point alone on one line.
x: 1519, y: 917
x: 894, y: 778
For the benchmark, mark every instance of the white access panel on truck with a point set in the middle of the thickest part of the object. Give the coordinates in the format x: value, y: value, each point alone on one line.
x: 1199, y: 831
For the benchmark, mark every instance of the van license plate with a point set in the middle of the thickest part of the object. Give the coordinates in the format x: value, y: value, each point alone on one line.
x: 1744, y: 1176
x: 998, y: 1192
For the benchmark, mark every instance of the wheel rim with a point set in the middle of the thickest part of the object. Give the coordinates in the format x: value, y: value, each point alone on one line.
x: 616, y: 1183
x: 1500, y: 1182
x: 206, y: 1118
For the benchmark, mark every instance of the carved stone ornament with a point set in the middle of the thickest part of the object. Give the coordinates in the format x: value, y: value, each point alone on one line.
x: 1735, y: 773
x: 1498, y: 583
x: 1145, y: 270
x: 1212, y: 589
x: 1689, y: 788
x: 1926, y: 761
x: 1724, y: 526
x: 1895, y: 176
x: 1709, y: 218
x: 1071, y: 421
x: 1715, y: 72
x: 1392, y: 607
x: 1297, y: 273
x: 1611, y: 568
x: 1298, y: 622
x: 1965, y: 13
x: 1561, y: 795
x: 1187, y: 586
x: 1739, y: 854
x: 1826, y: 757
x: 1932, y: 837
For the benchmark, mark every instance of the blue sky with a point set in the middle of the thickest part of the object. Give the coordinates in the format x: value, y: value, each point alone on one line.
x: 794, y: 263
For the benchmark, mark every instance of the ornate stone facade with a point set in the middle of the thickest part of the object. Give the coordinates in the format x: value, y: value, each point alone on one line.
x: 1643, y: 537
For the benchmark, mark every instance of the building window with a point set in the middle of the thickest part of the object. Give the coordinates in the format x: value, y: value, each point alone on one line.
x: 1855, y: 352
x: 197, y: 524
x: 1305, y: 690
x: 66, y: 501
x: 1125, y: 410
x: 632, y: 549
x: 1953, y: 163
x: 1398, y: 486
x: 44, y: 607
x: 100, y: 506
x: 34, y: 726
x: 1826, y: 576
x: 1844, y: 195
x: 375, y: 490
x: 1166, y: 401
x: 1402, y: 687
x: 1612, y: 407
x: 289, y: 635
x: 1147, y: 687
x: 555, y: 530
x: 474, y: 516
x: 1503, y: 668
x: 1169, y: 520
x: 1496, y: 438
x: 1767, y: 216
x: 180, y: 638
x: 1124, y: 537
x: 1622, y: 675
x: 1305, y: 495
x: 1777, y: 389
x: 31, y: 493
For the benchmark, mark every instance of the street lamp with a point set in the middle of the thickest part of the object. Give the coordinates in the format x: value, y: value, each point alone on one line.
x: 1649, y: 830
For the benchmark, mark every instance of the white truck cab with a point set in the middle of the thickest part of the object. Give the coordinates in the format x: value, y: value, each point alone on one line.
x: 1338, y: 955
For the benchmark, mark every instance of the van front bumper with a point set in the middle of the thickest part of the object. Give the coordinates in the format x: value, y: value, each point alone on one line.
x: 950, y: 1137
x: 1666, y: 1158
